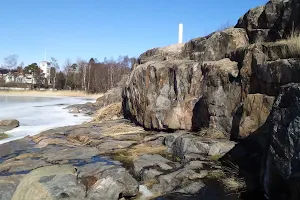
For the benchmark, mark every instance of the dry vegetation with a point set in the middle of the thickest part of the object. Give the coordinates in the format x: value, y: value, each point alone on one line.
x: 110, y: 112
x: 130, y: 155
x: 3, y: 136
x: 233, y: 184
x: 122, y: 129
x: 293, y: 45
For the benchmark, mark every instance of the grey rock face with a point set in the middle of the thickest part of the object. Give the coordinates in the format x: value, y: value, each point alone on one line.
x: 281, y: 169
x: 93, y: 181
x: 188, y: 144
x: 182, y: 95
x: 216, y: 45
x: 187, y: 180
x: 275, y: 20
x: 150, y: 161
x: 8, y: 186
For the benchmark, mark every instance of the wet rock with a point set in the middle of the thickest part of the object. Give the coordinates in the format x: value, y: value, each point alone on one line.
x: 74, y: 110
x: 66, y: 155
x: 6, y: 125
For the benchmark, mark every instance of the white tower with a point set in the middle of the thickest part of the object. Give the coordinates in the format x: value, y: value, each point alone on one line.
x: 180, y: 33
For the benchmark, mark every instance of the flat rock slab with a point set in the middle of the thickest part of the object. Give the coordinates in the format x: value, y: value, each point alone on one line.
x: 108, y: 146
x: 8, y: 186
x: 183, y: 180
x: 148, y: 160
x: 190, y: 144
x: 93, y: 181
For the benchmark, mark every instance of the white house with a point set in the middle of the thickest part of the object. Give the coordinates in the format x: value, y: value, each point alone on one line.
x: 9, y: 78
x: 45, y: 66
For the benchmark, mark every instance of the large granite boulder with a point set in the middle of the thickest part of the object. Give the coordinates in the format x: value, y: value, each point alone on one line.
x: 55, y: 182
x: 183, y: 94
x: 161, y: 95
x: 276, y: 20
x: 216, y: 45
x: 281, y: 165
x: 189, y: 146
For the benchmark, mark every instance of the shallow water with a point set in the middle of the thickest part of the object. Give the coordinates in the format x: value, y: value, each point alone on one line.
x: 37, y: 114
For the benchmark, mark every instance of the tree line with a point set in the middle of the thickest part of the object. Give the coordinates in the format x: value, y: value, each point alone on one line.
x: 91, y: 76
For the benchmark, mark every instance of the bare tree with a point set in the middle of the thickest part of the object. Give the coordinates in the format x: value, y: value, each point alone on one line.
x: 83, y: 66
x: 11, y: 61
x: 55, y: 67
x: 67, y: 66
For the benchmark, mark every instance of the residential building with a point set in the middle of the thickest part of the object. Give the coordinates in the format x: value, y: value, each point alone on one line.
x: 3, y: 72
x: 45, y: 66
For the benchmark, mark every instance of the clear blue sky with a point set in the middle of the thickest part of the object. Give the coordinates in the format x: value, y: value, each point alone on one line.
x: 107, y: 28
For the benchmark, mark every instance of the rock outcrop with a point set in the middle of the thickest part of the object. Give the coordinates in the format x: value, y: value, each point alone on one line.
x: 181, y: 94
x: 281, y: 164
x: 278, y: 19
x: 216, y: 45
x: 225, y: 84
x: 211, y: 91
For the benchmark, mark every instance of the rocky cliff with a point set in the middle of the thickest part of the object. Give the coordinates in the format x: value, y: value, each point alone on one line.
x: 225, y: 85
x: 215, y: 81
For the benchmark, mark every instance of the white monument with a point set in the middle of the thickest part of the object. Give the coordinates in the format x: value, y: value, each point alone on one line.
x: 180, y: 33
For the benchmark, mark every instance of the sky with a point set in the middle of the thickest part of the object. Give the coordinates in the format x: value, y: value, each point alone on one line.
x: 71, y: 29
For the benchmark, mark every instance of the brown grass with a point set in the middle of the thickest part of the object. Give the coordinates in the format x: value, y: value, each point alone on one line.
x: 291, y: 44
x: 128, y: 156
x: 215, y: 157
x: 150, y: 183
x: 216, y: 174
x: 122, y: 129
x: 112, y: 111
x: 3, y: 136
x: 42, y: 93
x: 233, y: 184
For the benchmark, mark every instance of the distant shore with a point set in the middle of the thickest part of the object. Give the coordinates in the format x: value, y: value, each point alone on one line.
x: 42, y: 93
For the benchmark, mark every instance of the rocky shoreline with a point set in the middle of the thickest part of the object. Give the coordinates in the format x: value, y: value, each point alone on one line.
x: 112, y: 158
x: 108, y: 161
x: 216, y: 118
